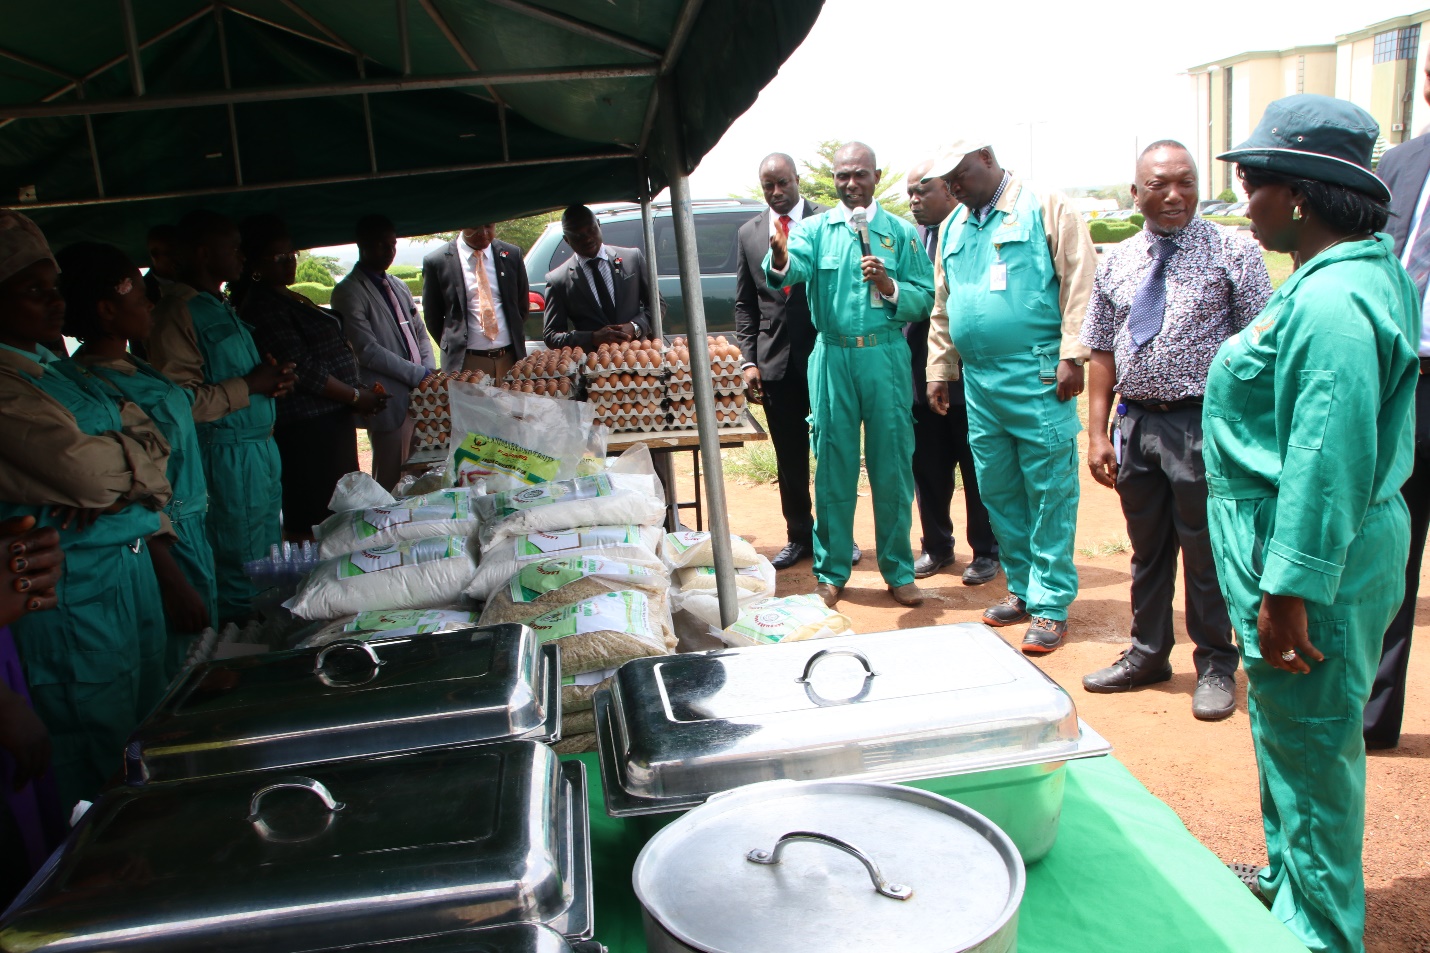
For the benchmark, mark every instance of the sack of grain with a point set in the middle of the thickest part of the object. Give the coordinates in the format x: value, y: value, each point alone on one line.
x: 577, y: 722
x: 605, y: 499
x: 366, y: 626
x: 509, y: 440
x: 787, y: 619
x: 418, y: 574
x: 549, y: 584
x: 689, y: 548
x: 443, y: 513
x: 701, y: 600
x: 575, y: 744
x: 603, y: 632
x: 627, y: 544
x: 358, y: 491
x: 578, y: 692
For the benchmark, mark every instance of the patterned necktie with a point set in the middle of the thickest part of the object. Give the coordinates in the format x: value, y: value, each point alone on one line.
x: 785, y: 222
x: 413, y: 353
x: 1150, y: 305
x: 486, y: 310
x: 603, y: 293
x: 1418, y: 264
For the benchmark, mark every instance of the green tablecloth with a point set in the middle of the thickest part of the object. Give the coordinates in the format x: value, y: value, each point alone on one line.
x: 1125, y: 875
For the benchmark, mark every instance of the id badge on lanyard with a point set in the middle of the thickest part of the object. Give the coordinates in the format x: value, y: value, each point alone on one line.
x: 998, y: 276
x: 1117, y: 433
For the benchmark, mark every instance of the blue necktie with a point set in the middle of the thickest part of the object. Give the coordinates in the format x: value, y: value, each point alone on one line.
x: 1150, y: 304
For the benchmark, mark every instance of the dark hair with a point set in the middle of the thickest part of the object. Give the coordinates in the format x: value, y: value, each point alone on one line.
x: 1344, y: 209
x: 256, y: 234
x: 165, y: 233
x: 372, y: 227
x: 200, y: 226
x: 89, y: 274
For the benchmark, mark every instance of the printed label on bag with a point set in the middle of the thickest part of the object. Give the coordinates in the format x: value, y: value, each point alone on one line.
x: 544, y: 494
x: 479, y: 456
x: 532, y: 582
x: 410, y: 621
x: 751, y: 571
x: 625, y: 611
x: 774, y: 620
x: 685, y: 540
x: 586, y: 678
x: 410, y: 553
x: 537, y: 545
x: 376, y: 520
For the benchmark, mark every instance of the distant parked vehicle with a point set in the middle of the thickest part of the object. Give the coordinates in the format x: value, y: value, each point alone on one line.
x: 1119, y: 215
x: 1238, y: 209
x: 1215, y: 208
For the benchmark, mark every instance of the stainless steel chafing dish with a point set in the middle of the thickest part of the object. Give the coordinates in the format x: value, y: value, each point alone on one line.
x: 513, y: 938
x: 954, y: 708
x: 351, y: 699
x: 347, y: 854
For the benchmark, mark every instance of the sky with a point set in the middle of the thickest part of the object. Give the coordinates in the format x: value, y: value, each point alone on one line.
x: 1088, y: 80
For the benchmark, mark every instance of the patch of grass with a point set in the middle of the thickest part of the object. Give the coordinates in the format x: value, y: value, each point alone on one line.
x: 1278, y: 266
x: 1108, y: 547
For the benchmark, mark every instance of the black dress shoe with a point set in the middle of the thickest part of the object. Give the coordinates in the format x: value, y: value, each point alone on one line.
x: 981, y: 570
x: 858, y: 555
x: 1124, y: 675
x: 927, y: 565
x: 791, y: 554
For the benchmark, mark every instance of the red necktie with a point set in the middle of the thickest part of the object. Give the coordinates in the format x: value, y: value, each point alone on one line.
x: 784, y: 228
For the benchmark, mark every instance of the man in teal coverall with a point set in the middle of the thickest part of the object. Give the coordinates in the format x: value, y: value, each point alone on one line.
x: 1013, y: 277
x: 859, y: 372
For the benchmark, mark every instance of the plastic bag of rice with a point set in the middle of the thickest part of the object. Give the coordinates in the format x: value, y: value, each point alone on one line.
x: 603, y: 632
x: 443, y: 513
x: 606, y: 499
x: 690, y: 548
x: 366, y: 626
x: 627, y: 544
x: 759, y: 578
x: 549, y: 584
x: 416, y: 574
x: 578, y: 692
x: 787, y: 619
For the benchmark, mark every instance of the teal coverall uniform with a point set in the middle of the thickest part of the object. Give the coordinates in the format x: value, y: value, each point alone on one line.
x: 1308, y: 438
x: 171, y: 407
x: 859, y: 375
x: 95, y: 663
x: 1008, y: 314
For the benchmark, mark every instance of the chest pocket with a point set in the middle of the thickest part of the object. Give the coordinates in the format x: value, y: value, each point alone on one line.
x: 1229, y: 388
x: 226, y: 353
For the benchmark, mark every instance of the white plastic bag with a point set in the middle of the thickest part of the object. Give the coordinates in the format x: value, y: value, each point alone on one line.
x: 358, y: 491
x: 629, y: 544
x: 510, y: 440
x: 602, y: 632
x: 444, y: 513
x: 704, y: 603
x: 606, y: 499
x: 366, y: 626
x: 690, y: 548
x: 787, y: 619
x: 757, y: 580
x: 419, y: 574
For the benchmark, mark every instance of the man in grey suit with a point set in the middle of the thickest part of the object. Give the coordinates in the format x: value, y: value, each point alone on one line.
x: 601, y: 294
x: 1406, y: 170
x: 381, y: 323
x: 475, y: 296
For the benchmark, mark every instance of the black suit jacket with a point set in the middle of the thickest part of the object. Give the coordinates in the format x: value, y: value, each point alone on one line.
x: 774, y: 330
x: 1404, y: 170
x: 917, y: 334
x: 444, y: 299
x: 572, y: 312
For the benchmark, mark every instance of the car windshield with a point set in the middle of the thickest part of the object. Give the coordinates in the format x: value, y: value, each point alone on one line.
x: 715, y: 241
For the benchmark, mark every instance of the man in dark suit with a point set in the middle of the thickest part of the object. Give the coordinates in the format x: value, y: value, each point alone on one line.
x: 601, y: 294
x: 475, y: 295
x: 776, y: 337
x: 941, y: 440
x: 1406, y: 169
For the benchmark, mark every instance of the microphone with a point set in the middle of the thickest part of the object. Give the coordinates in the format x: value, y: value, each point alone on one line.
x: 860, y: 221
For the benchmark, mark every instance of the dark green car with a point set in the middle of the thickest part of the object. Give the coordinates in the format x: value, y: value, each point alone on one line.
x: 717, y: 222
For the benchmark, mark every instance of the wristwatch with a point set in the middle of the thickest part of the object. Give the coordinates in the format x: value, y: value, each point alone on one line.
x: 1077, y: 361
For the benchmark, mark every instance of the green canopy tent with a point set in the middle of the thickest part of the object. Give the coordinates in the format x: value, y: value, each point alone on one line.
x: 118, y: 114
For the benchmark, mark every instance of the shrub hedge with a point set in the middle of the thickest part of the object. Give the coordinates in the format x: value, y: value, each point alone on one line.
x: 1110, y: 232
x: 318, y: 294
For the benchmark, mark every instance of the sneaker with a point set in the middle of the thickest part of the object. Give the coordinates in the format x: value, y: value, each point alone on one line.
x: 1124, y: 675
x: 1010, y: 611
x: 1044, y: 635
x: 1215, y: 697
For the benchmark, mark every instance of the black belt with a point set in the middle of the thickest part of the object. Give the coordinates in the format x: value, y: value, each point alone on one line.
x: 1425, y: 365
x: 1186, y: 403
x: 494, y: 352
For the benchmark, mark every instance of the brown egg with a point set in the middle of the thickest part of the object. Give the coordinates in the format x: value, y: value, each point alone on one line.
x: 564, y: 386
x: 625, y: 380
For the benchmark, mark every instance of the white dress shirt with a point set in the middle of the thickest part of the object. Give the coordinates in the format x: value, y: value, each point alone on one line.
x: 796, y: 215
x: 1424, y: 342
x: 608, y: 272
x: 476, y: 338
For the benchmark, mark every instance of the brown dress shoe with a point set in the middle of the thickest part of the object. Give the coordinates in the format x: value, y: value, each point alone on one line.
x: 829, y: 592
x: 908, y: 594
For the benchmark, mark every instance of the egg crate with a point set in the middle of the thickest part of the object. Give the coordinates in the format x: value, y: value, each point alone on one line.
x: 614, y: 385
x: 604, y: 402
x: 547, y: 364
x: 544, y: 387
x: 429, y: 436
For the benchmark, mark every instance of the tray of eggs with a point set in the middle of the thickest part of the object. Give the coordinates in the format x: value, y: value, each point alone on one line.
x: 427, y: 404
x: 551, y: 373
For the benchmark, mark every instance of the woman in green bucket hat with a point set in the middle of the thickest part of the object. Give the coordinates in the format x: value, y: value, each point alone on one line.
x: 1308, y: 421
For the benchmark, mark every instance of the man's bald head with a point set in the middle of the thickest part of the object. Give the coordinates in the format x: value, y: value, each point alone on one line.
x: 1165, y: 188
x: 779, y: 182
x: 856, y: 174
x: 778, y: 162
x: 856, y: 151
x: 576, y: 216
x: 929, y: 201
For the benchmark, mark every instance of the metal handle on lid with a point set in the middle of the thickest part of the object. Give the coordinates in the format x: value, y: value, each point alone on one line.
x: 823, y: 654
x: 331, y: 647
x: 772, y: 857
x: 294, y: 783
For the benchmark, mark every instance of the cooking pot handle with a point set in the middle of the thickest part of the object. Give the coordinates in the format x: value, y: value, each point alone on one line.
x: 331, y: 647
x: 296, y: 782
x: 823, y: 654
x: 771, y: 857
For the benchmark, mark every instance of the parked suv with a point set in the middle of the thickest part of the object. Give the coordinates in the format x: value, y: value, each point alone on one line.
x: 717, y: 222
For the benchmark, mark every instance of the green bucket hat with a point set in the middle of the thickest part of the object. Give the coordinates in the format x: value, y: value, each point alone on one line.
x: 1315, y: 137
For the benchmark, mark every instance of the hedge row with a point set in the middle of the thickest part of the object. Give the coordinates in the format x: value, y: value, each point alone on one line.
x: 322, y: 294
x: 1107, y: 232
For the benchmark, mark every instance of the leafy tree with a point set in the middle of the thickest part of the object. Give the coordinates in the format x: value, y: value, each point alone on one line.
x: 319, y: 269
x: 816, y: 182
x: 521, y: 232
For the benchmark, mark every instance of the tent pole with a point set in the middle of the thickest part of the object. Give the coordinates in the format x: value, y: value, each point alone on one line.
x: 663, y: 461
x: 131, y: 44
x: 228, y: 84
x: 403, y: 39
x: 684, y: 220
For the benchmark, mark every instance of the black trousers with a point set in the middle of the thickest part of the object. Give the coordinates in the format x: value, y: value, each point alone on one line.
x: 1163, y: 487
x: 787, y: 414
x: 316, y: 453
x: 940, y: 446
x: 1386, y: 708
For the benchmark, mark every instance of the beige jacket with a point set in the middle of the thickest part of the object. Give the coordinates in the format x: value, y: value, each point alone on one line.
x: 174, y: 352
x: 1074, y: 262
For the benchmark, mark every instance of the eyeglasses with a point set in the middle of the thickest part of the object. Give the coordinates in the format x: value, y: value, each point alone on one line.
x: 284, y: 257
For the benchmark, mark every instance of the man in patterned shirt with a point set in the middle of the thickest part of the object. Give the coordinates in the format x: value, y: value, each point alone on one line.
x: 1162, y: 304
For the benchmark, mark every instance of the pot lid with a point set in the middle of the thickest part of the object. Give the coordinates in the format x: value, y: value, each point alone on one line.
x: 833, y: 866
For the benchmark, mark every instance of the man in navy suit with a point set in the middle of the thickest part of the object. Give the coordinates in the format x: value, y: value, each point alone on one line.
x: 601, y: 294
x: 1406, y: 170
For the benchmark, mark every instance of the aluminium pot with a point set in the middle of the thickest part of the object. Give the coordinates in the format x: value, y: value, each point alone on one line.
x: 833, y: 866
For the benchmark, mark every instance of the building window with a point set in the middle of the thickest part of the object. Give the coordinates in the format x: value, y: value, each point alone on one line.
x: 1399, y: 44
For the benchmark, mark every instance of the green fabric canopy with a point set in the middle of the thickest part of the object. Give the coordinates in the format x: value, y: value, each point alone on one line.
x: 321, y: 111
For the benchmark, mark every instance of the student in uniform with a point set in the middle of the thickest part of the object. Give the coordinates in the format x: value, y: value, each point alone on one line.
x: 1308, y: 438
x: 107, y: 308
x: 75, y: 456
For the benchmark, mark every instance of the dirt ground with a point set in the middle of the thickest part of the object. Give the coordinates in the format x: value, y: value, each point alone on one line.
x: 1206, y: 772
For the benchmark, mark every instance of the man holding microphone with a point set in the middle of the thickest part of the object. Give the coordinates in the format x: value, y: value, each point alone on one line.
x: 865, y: 275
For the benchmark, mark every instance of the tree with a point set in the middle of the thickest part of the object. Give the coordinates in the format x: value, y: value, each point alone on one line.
x: 816, y: 183
x: 521, y: 232
x: 320, y: 269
